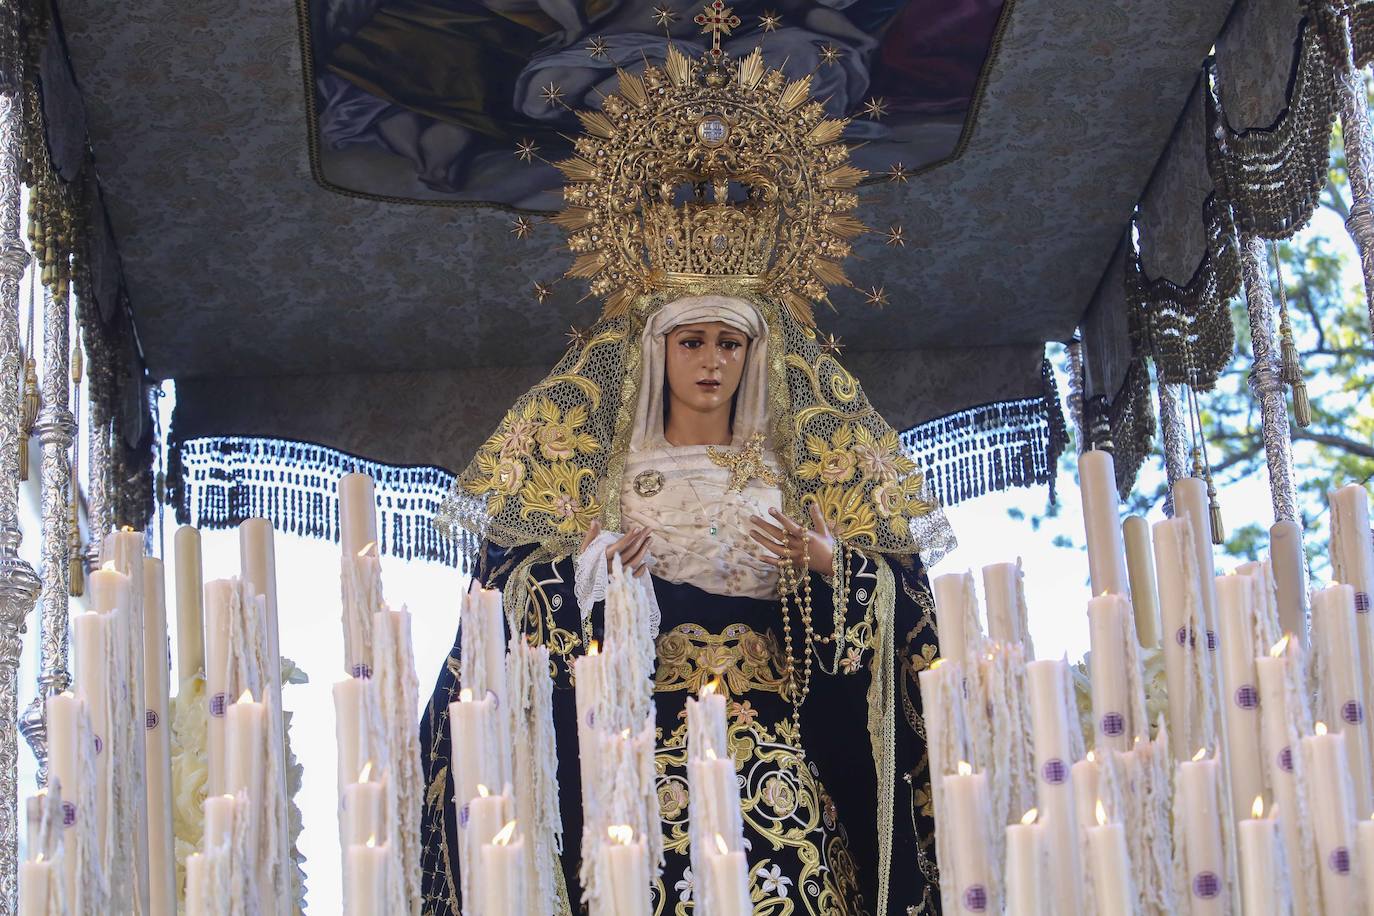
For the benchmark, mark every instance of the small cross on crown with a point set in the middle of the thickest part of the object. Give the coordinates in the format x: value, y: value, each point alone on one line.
x: 717, y: 19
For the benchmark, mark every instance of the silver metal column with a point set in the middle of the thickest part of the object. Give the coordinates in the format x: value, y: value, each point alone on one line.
x: 1174, y: 431
x: 1359, y: 154
x: 55, y: 427
x: 1266, y: 378
x: 18, y: 584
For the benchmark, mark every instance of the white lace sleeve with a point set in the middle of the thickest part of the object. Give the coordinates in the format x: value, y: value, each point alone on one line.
x: 590, y: 578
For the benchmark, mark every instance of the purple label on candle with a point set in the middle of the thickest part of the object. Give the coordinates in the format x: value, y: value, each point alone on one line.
x: 1113, y: 725
x: 463, y: 816
x: 1206, y: 885
x: 217, y: 703
x: 1054, y: 771
x: 495, y: 700
x: 1286, y: 759
x: 1212, y: 640
x: 1352, y: 711
x: 362, y: 671
x: 591, y: 718
x: 150, y: 719
x: 68, y: 814
x: 1247, y: 697
x: 1362, y: 602
x: 99, y: 743
x: 1339, y: 860
x: 976, y: 899
x: 1184, y: 637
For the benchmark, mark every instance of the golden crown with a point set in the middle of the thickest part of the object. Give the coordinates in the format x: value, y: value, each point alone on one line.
x: 702, y: 169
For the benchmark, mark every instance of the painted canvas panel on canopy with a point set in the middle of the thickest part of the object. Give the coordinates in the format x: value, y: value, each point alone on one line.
x: 427, y: 99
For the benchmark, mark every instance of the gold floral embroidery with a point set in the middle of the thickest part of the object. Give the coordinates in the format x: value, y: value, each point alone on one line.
x: 689, y: 656
x: 846, y: 511
x: 555, y: 490
x: 834, y: 461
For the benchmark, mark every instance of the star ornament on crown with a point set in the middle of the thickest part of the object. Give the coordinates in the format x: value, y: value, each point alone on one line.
x: 710, y: 168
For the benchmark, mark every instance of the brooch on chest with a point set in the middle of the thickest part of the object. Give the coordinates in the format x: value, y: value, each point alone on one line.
x: 648, y: 483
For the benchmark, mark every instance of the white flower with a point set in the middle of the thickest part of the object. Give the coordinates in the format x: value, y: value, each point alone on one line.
x: 684, y: 885
x: 774, y: 881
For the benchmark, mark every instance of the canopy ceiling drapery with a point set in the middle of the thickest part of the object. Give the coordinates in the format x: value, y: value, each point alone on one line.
x: 400, y: 331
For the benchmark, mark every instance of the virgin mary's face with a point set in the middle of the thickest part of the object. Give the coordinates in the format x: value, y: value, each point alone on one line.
x: 704, y: 365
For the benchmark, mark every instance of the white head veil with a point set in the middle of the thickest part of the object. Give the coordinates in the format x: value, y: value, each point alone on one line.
x: 751, y: 399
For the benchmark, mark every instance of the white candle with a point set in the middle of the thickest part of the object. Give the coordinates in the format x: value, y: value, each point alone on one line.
x: 470, y: 738
x: 502, y: 862
x: 1047, y: 684
x: 1365, y: 835
x: 65, y: 760
x: 1005, y: 596
x: 1197, y: 807
x: 1290, y: 577
x: 218, y: 829
x: 480, y: 819
x: 1101, y: 507
x: 35, y: 887
x: 1025, y: 868
x: 157, y: 738
x: 966, y: 797
x: 1085, y: 776
x: 1336, y: 640
x: 258, y: 562
x: 1263, y: 893
x: 197, y: 883
x: 190, y: 619
x: 727, y: 873
x: 367, y: 878
x: 1238, y: 598
x: 220, y: 679
x: 364, y: 804
x: 246, y: 744
x: 588, y: 683
x: 109, y: 589
x: 956, y: 615
x: 1113, y: 707
x: 1273, y: 672
x: 1190, y: 500
x: 93, y: 680
x: 1181, y: 612
x: 627, y: 865
x: 1111, y: 867
x: 357, y: 513
x: 1333, y: 817
x: 1140, y: 565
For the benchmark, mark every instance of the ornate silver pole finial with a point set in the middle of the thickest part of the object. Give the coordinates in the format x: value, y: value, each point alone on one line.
x: 1266, y: 378
x: 55, y: 427
x: 18, y: 584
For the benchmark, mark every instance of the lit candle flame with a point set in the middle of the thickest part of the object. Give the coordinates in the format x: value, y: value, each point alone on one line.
x: 482, y: 790
x: 40, y: 858
x: 372, y: 840
x: 465, y: 695
x: 720, y: 844
x: 108, y: 566
x: 710, y: 753
x: 594, y: 648
x: 365, y: 772
x: 505, y: 835
x: 67, y: 693
x: 937, y: 663
x: 1201, y: 752
x: 1257, y: 809
x: 1320, y: 728
x: 1279, y: 648
x: 369, y: 547
x: 1101, y: 813
x: 42, y: 793
x: 1092, y: 758
x: 964, y: 768
x: 1031, y: 816
x: 621, y: 834
x: 711, y: 687
x: 245, y: 697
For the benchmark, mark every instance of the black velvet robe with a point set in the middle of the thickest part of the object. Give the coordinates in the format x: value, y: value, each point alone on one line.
x: 812, y: 822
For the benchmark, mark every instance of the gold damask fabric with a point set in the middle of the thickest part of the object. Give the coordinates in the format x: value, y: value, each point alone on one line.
x: 556, y: 460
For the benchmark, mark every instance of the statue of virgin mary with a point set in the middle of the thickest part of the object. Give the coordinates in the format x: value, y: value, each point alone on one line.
x: 701, y: 434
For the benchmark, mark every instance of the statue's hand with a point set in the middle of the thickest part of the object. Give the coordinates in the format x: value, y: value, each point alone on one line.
x: 632, y: 548
x: 813, y: 549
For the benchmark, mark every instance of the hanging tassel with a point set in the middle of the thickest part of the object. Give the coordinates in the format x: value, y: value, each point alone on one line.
x: 76, y: 563
x: 1214, y: 512
x: 1292, y: 369
x: 28, y: 415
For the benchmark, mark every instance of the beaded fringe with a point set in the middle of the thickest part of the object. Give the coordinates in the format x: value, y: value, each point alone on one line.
x: 218, y: 482
x: 993, y: 447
